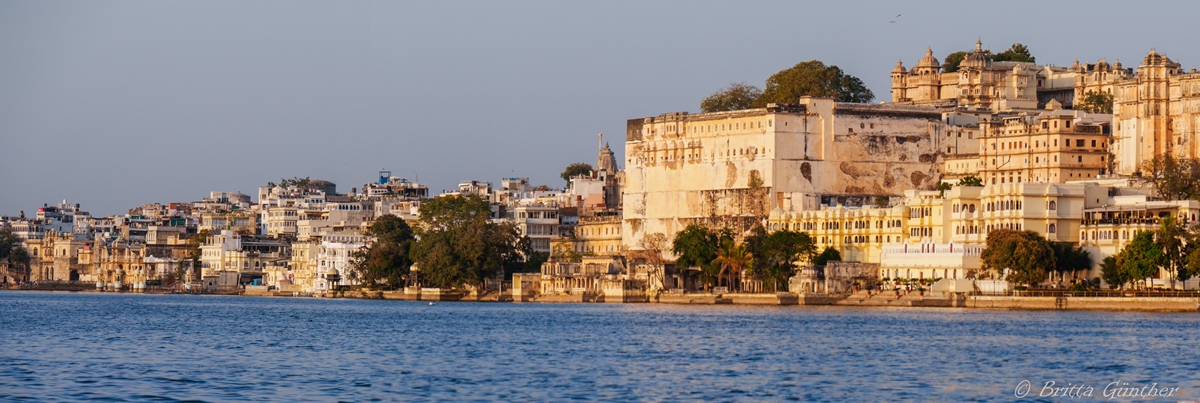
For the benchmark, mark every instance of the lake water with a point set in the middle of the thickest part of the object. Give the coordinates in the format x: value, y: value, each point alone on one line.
x: 92, y: 346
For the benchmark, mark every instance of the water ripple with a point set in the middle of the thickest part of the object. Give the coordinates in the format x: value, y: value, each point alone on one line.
x: 108, y: 347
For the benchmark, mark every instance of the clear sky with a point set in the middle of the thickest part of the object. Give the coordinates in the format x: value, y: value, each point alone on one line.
x: 117, y: 103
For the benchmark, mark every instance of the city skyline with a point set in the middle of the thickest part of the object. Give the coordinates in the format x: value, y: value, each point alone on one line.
x: 114, y: 105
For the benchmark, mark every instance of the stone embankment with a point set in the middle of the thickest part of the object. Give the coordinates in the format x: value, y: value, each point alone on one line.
x: 1176, y: 302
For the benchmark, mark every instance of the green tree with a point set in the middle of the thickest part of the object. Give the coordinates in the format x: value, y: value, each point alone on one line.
x: 970, y: 181
x: 451, y: 212
x: 19, y: 257
x: 778, y: 254
x: 1016, y: 53
x: 733, y: 259
x: 386, y: 262
x: 951, y: 62
x: 1141, y: 257
x: 736, y: 96
x: 193, y: 256
x: 942, y: 188
x: 576, y: 169
x: 1070, y: 258
x: 8, y: 242
x: 457, y: 244
x: 1172, y: 238
x: 828, y: 255
x: 1111, y: 272
x: 1171, y: 178
x: 696, y: 247
x: 563, y: 252
x: 1191, y: 266
x: 1026, y: 255
x: 813, y: 78
x: 527, y: 261
x: 1095, y: 102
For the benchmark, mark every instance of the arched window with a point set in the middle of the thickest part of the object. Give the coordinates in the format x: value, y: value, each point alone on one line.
x: 1053, y: 205
x: 1051, y: 229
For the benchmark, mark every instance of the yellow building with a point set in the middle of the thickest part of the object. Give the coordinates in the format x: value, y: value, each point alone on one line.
x: 1052, y: 147
x: 859, y: 234
x: 1156, y: 108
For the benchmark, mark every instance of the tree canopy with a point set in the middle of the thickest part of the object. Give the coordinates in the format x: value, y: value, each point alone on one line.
x: 697, y: 246
x: 576, y: 169
x: 733, y: 259
x: 814, y: 78
x: 811, y: 78
x: 8, y: 242
x: 1095, y: 102
x: 458, y: 245
x: 386, y: 262
x: 1015, y: 53
x: 828, y: 255
x: 952, y: 60
x: 736, y: 96
x: 441, y: 213
x: 1028, y: 257
x: 1171, y: 178
x: 970, y: 181
x: 777, y: 254
x: 1141, y: 257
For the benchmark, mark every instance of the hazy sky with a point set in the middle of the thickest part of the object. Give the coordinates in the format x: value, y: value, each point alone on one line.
x: 113, y: 104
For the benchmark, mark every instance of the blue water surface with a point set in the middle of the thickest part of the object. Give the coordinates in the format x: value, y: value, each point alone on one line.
x: 120, y: 347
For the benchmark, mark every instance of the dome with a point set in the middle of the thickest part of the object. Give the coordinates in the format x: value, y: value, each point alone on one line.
x: 1117, y: 65
x: 1153, y: 58
x: 899, y: 68
x: 929, y: 60
x: 1102, y: 65
x: 977, y: 58
x: 331, y: 272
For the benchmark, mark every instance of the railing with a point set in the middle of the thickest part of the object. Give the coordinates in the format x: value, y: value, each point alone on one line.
x: 1100, y: 294
x: 1102, y: 221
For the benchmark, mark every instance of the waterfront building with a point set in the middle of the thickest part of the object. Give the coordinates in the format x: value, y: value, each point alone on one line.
x: 730, y: 169
x: 54, y: 256
x: 1107, y: 228
x: 858, y: 233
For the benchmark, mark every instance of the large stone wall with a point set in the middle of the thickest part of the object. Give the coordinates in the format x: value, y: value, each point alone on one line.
x: 730, y: 169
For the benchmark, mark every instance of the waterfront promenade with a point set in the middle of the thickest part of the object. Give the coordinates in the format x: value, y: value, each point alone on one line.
x: 1149, y: 301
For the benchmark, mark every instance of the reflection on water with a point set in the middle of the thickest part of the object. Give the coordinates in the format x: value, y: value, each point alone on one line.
x: 84, y: 346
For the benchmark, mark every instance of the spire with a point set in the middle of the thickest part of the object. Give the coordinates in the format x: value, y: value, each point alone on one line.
x: 979, y: 45
x: 929, y: 51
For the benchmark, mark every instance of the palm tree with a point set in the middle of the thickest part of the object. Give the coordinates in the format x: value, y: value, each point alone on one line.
x: 733, y: 259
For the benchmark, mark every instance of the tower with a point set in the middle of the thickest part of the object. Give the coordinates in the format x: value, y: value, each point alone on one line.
x: 899, y: 74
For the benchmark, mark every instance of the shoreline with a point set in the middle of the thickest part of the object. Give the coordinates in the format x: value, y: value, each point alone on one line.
x: 955, y: 302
